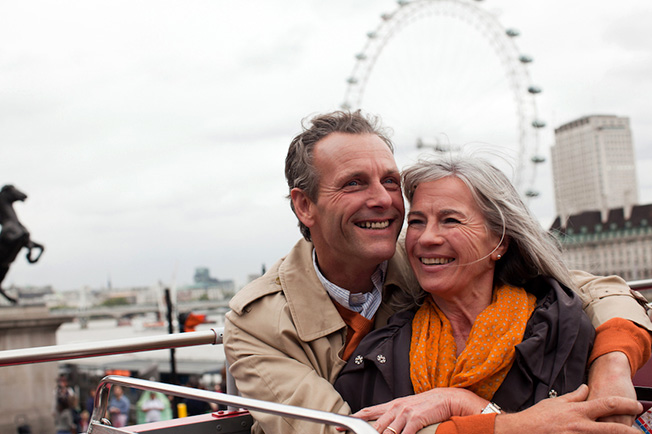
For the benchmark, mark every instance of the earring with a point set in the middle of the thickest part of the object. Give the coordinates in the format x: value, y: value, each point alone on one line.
x: 498, y: 257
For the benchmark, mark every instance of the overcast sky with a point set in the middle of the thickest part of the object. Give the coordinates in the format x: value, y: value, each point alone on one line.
x: 150, y: 135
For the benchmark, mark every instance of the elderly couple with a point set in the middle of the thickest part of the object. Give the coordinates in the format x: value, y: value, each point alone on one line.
x: 465, y: 321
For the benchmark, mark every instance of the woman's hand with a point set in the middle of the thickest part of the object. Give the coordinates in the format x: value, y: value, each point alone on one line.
x: 409, y: 414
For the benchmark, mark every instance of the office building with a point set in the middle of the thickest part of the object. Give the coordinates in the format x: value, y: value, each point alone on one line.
x: 593, y: 166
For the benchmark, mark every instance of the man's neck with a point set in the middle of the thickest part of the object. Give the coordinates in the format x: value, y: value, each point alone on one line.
x: 354, y: 276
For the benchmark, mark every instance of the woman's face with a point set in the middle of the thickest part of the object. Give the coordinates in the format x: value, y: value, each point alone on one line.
x: 449, y: 246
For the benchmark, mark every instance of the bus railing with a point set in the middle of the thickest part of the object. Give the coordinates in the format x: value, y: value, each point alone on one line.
x: 54, y: 353
x: 97, y: 423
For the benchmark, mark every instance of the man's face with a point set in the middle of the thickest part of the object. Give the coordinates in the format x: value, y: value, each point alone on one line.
x: 359, y: 210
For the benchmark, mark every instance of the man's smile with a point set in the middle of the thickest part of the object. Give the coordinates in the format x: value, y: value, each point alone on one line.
x: 374, y: 225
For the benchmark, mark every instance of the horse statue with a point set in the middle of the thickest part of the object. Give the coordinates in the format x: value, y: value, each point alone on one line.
x: 13, y: 236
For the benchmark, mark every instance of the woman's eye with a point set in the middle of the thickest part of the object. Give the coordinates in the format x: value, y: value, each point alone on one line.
x: 451, y: 220
x: 412, y: 222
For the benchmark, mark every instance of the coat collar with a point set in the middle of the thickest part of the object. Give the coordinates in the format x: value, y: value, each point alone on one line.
x: 310, y: 306
x: 304, y: 292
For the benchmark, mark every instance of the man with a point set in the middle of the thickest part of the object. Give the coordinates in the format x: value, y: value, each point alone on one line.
x: 289, y: 332
x: 119, y: 406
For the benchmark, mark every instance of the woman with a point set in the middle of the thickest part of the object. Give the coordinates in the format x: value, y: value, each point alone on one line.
x: 63, y: 417
x: 496, y: 316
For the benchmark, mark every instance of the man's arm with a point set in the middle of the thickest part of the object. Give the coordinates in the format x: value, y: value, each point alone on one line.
x: 269, y: 362
x: 569, y: 413
x: 604, y: 298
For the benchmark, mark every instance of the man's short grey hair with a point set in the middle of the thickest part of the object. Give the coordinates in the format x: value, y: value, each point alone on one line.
x: 299, y: 169
x: 532, y: 251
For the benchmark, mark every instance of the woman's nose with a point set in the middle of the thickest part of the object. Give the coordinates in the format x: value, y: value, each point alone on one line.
x: 431, y: 235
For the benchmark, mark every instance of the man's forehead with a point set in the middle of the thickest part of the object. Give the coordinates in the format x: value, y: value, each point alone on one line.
x: 344, y: 148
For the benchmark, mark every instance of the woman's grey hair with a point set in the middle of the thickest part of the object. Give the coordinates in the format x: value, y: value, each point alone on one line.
x: 531, y: 252
x: 299, y: 169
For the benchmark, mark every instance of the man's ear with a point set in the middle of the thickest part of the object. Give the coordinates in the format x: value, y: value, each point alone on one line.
x: 303, y: 206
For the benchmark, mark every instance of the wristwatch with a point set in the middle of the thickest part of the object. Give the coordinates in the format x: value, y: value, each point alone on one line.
x: 491, y: 408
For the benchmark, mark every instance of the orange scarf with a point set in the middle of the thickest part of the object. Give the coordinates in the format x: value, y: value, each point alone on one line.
x: 489, y: 352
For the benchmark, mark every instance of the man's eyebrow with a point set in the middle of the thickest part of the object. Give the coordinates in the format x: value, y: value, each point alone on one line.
x: 349, y: 175
x: 358, y: 174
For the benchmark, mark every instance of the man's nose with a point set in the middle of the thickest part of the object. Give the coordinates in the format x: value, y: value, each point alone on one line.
x: 379, y: 197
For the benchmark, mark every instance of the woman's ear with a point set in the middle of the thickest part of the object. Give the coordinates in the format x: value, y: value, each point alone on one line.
x: 501, y: 249
x: 303, y: 206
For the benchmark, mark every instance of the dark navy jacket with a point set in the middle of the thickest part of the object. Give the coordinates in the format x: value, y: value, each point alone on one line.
x: 550, y: 360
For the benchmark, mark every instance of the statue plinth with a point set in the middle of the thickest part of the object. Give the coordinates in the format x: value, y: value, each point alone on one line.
x: 32, y: 386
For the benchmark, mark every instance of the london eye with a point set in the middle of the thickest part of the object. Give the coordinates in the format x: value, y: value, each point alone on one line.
x: 446, y: 75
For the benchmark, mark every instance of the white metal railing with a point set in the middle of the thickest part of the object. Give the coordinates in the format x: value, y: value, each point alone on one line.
x: 102, y: 399
x: 106, y: 348
x: 640, y: 284
x: 121, y: 346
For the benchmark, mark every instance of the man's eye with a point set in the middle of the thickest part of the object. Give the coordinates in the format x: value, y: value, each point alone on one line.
x: 352, y: 183
x: 391, y: 183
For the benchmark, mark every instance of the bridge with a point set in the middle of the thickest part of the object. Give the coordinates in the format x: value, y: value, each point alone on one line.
x: 141, y: 309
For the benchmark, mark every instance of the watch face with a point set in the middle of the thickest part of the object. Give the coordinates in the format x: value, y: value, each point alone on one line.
x: 491, y: 408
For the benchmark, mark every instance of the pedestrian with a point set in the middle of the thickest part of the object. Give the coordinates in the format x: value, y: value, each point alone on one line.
x: 119, y: 406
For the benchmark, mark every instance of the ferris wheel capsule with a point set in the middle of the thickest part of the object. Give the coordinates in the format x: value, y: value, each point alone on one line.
x: 532, y: 193
x: 512, y: 33
x: 538, y: 123
x: 525, y: 59
x: 538, y: 159
x: 534, y: 89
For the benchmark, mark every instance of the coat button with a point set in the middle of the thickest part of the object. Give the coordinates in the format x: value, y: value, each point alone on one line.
x: 552, y: 393
x: 381, y: 358
x: 358, y: 360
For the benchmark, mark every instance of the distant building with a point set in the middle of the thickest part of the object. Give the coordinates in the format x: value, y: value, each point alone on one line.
x: 206, y: 287
x: 619, y: 244
x: 32, y: 295
x: 203, y: 277
x: 593, y: 166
